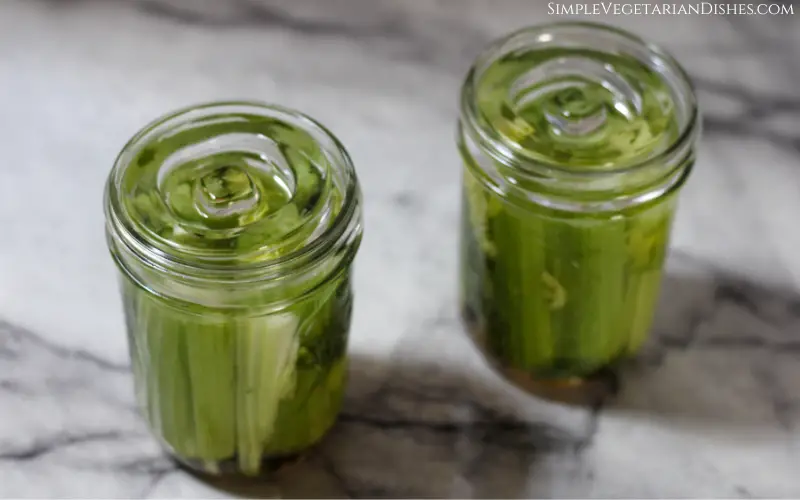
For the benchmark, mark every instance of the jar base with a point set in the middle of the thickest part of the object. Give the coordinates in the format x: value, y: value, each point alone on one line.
x: 229, y: 468
x: 580, y: 390
x: 589, y: 390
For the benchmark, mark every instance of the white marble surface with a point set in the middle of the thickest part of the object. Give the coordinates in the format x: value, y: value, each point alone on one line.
x: 713, y: 411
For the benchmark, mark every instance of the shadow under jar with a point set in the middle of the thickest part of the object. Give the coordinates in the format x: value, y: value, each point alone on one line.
x: 576, y: 139
x: 234, y: 227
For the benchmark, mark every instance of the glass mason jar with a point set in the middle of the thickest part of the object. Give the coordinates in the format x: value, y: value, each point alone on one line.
x: 576, y: 139
x: 234, y: 227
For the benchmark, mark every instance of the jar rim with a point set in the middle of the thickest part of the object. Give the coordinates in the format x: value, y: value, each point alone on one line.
x: 343, y: 228
x: 499, y: 151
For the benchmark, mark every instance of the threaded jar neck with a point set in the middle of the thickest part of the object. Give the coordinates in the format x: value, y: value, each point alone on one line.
x: 234, y: 192
x: 578, y: 116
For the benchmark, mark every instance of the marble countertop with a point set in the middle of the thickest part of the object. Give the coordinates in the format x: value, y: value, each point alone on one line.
x: 712, y: 410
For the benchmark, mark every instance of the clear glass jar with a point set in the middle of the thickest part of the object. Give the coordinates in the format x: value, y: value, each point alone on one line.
x: 234, y: 227
x: 576, y: 139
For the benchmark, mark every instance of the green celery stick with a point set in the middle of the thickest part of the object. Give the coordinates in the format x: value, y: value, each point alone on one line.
x: 505, y: 341
x: 294, y: 415
x: 136, y: 343
x: 648, y: 238
x: 266, y: 354
x: 152, y: 334
x: 597, y: 317
x: 173, y: 391
x: 641, y: 299
x: 310, y: 410
x: 558, y: 282
x: 541, y: 297
x: 212, y: 356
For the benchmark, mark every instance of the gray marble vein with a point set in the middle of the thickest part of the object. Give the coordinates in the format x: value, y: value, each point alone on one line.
x: 710, y: 409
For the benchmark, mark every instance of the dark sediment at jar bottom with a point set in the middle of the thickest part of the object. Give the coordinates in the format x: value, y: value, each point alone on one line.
x: 586, y: 390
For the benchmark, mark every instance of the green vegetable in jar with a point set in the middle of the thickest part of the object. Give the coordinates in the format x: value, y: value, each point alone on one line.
x: 234, y: 226
x: 574, y: 151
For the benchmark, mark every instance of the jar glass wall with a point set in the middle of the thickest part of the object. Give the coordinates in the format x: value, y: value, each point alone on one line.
x: 234, y: 227
x: 576, y: 139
